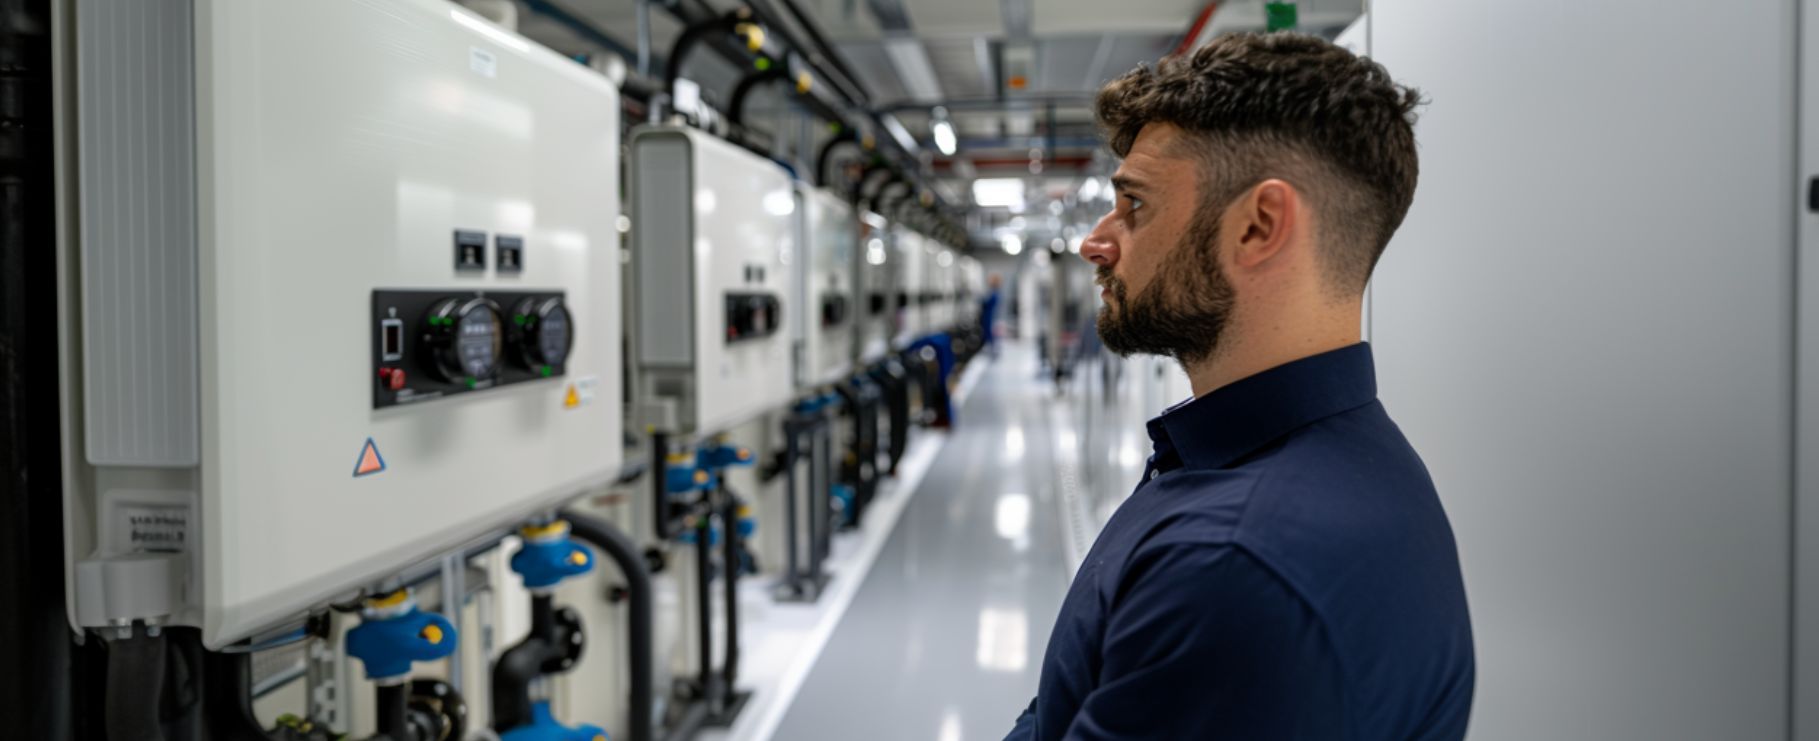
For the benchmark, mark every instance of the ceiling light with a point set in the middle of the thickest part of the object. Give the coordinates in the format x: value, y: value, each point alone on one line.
x: 1012, y: 244
x: 944, y: 137
x: 998, y: 192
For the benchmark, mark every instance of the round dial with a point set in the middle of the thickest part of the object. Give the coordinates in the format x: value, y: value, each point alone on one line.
x: 546, y: 332
x: 467, y: 338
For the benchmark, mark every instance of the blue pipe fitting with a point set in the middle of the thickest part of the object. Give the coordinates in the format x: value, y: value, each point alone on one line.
x: 843, y: 497
x: 684, y: 475
x: 720, y: 457
x: 687, y: 536
x: 549, y: 556
x: 543, y: 727
x: 395, y: 633
x: 747, y: 524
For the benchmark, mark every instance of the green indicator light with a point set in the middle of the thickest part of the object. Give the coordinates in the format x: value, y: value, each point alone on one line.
x: 545, y: 370
x: 520, y: 319
x: 472, y: 382
x: 763, y: 64
x: 833, y: 126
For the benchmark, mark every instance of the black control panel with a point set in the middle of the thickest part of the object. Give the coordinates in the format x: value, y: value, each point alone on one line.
x: 750, y: 316
x: 880, y: 302
x: 834, y: 311
x: 434, y: 344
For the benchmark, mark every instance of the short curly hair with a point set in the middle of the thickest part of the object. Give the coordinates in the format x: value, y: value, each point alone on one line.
x: 1288, y: 106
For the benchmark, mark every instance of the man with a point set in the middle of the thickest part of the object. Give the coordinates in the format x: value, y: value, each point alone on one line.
x: 988, y: 313
x: 1285, y: 569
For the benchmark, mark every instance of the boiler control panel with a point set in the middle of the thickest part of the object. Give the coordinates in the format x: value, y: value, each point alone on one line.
x: 430, y: 345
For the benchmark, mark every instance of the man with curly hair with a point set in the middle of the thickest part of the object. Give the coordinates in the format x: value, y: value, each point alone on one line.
x: 1284, y: 570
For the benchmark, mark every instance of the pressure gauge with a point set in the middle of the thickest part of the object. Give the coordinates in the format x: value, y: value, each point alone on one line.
x: 545, y: 332
x: 466, y: 338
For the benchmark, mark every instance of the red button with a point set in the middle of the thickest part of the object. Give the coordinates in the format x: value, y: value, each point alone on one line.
x: 393, y: 378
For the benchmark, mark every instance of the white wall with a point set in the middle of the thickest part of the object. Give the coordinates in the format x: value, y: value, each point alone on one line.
x: 1585, y: 326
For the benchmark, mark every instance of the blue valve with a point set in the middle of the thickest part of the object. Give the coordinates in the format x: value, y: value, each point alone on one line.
x: 684, y: 475
x: 721, y: 457
x: 543, y: 727
x: 396, y: 633
x: 747, y: 524
x: 843, y: 496
x: 687, y: 535
x: 549, y: 556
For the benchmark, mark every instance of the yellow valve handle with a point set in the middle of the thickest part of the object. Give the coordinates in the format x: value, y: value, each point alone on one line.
x: 753, y: 33
x: 804, y: 82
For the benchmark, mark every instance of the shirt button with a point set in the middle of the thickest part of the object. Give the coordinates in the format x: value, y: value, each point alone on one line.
x: 1154, y: 474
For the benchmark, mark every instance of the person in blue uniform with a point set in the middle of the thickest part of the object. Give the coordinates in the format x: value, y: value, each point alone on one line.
x: 1285, y: 569
x: 988, y: 313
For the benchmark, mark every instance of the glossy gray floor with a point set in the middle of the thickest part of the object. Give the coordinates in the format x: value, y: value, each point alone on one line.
x: 944, y: 640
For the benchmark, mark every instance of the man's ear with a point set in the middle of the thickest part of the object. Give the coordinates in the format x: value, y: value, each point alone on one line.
x: 1264, y: 218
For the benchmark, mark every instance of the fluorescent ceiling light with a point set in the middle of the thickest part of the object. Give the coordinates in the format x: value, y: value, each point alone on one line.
x: 944, y: 137
x: 999, y: 192
x: 1012, y: 244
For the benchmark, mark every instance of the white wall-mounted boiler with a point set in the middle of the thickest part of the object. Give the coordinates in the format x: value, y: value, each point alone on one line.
x: 342, y: 307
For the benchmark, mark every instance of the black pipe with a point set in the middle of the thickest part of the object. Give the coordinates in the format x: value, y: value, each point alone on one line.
x: 393, y: 710
x: 825, y: 157
x: 828, y: 51
x: 729, y: 574
x: 226, y: 688
x: 735, y: 111
x: 792, y: 434
x: 640, y: 600
x: 135, y: 678
x: 704, y: 595
x: 692, y: 36
x: 660, y: 505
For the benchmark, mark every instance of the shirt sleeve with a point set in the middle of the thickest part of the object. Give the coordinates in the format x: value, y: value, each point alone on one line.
x: 1204, y: 642
x: 1025, y: 729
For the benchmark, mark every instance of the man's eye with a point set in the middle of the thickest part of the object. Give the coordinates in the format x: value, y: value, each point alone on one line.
x: 1136, y: 203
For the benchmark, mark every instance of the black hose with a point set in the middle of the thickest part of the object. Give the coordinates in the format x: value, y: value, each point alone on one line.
x: 135, y: 680
x: 639, y: 600
x: 826, y: 156
x: 692, y: 36
x: 735, y: 111
x: 393, y: 711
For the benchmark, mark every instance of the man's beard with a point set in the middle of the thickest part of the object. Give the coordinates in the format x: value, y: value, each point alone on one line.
x: 1183, y: 311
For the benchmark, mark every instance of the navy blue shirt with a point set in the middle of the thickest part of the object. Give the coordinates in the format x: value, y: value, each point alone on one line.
x: 1284, y: 571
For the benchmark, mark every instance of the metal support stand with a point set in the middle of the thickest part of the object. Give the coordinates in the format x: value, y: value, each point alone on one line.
x: 805, y: 583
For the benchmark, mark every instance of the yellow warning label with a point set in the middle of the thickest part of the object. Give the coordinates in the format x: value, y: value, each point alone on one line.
x: 572, y: 399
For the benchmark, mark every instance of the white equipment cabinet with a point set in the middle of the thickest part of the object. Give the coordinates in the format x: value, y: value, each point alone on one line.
x: 714, y: 235
x: 825, y: 288
x: 877, y: 293
x: 909, y: 271
x: 348, y: 299
x: 945, y: 287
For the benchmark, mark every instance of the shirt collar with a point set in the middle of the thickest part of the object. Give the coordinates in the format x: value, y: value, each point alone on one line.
x: 1221, y: 427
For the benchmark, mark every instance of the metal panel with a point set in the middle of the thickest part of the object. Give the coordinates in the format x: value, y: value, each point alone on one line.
x: 1585, y: 327
x: 663, y: 240
x: 135, y: 97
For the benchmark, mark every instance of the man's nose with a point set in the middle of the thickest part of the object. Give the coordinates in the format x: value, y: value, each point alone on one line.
x: 1100, y: 248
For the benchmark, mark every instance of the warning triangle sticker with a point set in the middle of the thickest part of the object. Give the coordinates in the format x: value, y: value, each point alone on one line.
x: 573, y: 399
x: 370, y: 461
